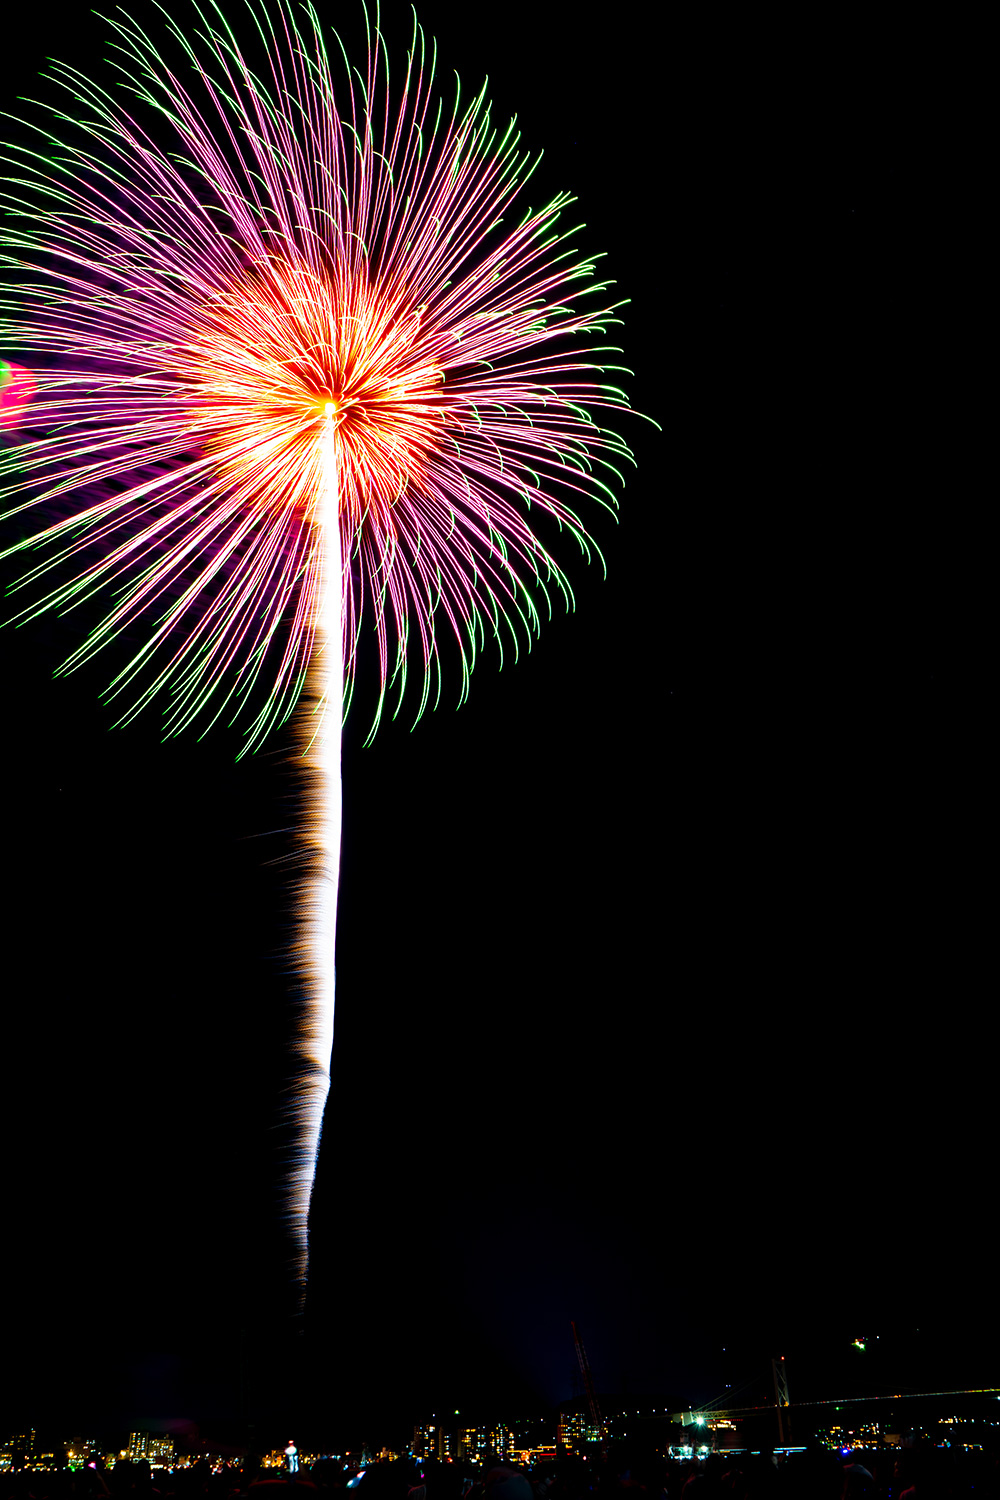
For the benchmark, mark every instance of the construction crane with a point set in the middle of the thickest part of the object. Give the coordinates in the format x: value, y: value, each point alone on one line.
x: 588, y: 1380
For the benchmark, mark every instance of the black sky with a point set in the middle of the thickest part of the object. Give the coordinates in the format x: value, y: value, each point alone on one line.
x: 659, y: 967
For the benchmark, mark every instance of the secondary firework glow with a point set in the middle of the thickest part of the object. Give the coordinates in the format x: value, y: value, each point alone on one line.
x: 302, y: 368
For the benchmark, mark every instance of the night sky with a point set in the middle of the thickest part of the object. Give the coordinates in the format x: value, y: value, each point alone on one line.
x: 660, y: 962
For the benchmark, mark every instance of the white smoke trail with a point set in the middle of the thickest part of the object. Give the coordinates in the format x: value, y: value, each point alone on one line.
x: 320, y: 727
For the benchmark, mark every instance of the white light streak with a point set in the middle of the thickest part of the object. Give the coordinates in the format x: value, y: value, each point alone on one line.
x: 321, y: 726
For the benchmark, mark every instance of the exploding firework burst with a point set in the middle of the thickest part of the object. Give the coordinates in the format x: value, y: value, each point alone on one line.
x: 299, y: 363
x: 188, y: 316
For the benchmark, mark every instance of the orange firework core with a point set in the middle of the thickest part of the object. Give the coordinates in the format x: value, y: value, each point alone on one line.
x: 283, y: 353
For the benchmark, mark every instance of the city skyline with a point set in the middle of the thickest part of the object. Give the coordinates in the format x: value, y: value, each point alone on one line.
x: 967, y: 1420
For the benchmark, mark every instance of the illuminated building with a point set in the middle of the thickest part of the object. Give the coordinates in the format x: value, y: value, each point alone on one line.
x: 473, y: 1442
x: 79, y: 1450
x: 18, y: 1451
x: 155, y: 1448
x: 575, y: 1429
x: 433, y: 1440
x: 425, y: 1441
x: 500, y: 1440
x: 447, y: 1444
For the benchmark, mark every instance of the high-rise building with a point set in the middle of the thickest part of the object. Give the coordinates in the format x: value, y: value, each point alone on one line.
x: 434, y: 1440
x: 18, y: 1450
x: 575, y: 1429
x: 500, y: 1439
x: 447, y: 1444
x: 157, y: 1448
x: 425, y: 1441
x: 473, y: 1442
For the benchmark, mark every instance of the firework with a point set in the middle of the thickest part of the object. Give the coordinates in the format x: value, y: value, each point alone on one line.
x: 302, y: 367
x: 16, y: 390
